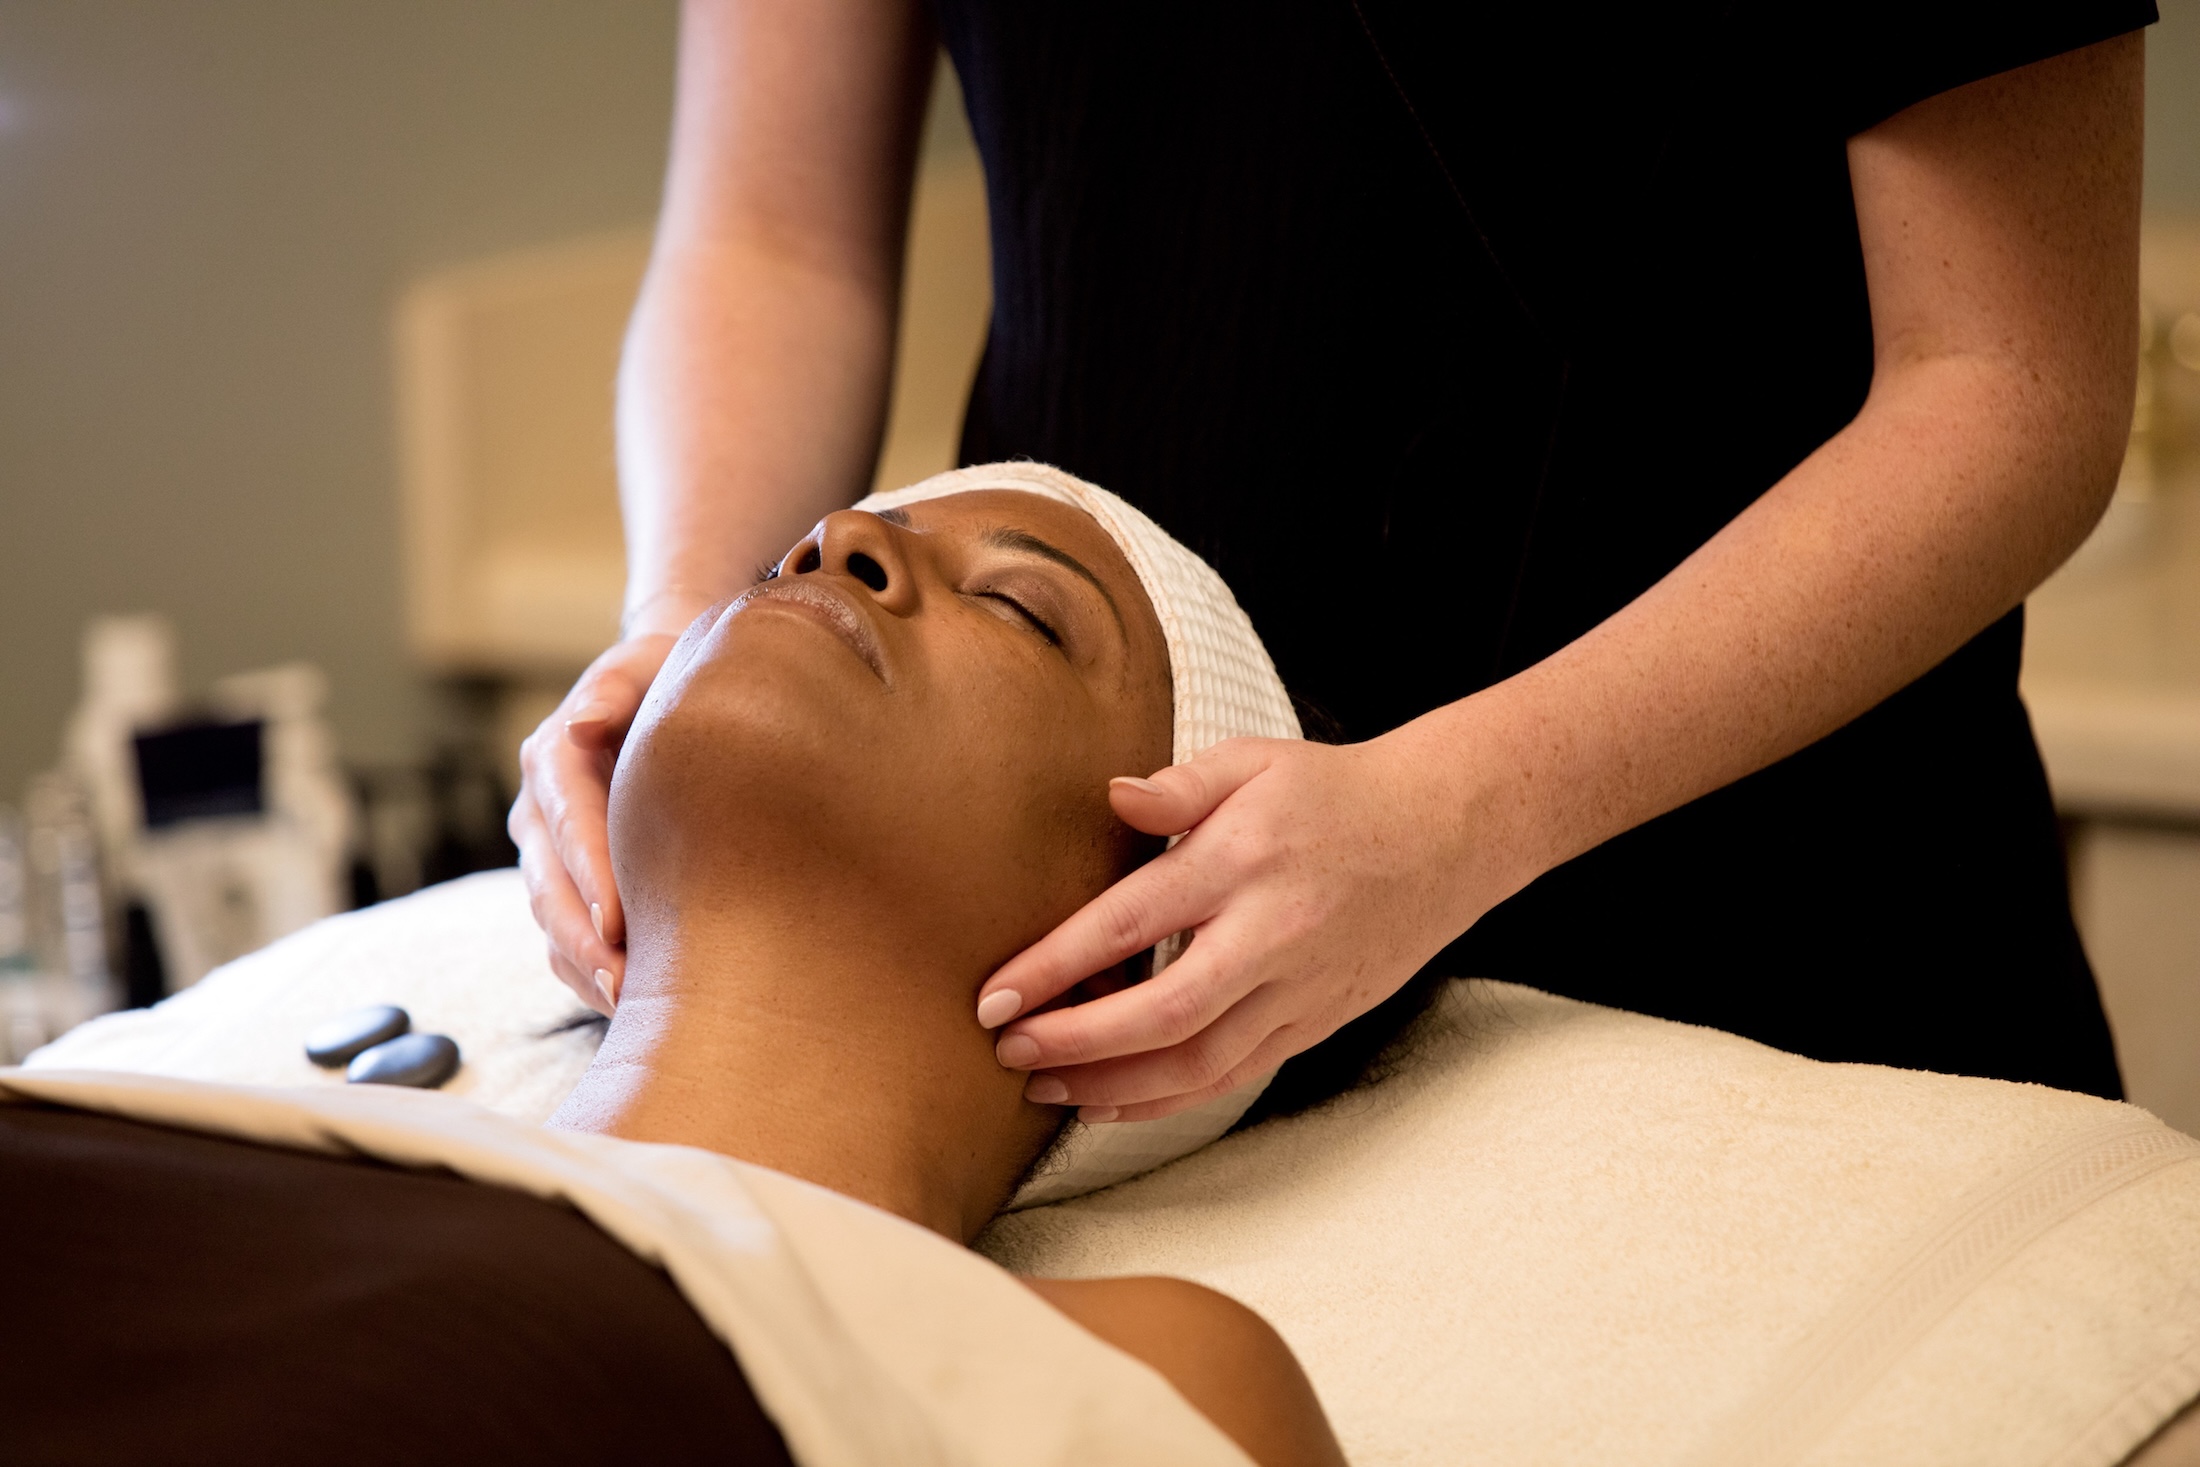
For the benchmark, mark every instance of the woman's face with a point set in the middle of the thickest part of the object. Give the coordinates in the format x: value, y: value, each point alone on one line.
x: 919, y: 710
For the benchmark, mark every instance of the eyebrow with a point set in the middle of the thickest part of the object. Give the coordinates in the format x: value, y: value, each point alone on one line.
x: 1002, y: 538
x: 898, y: 517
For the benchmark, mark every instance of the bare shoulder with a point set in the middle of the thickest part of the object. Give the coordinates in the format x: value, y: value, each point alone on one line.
x: 2175, y: 1445
x: 1221, y: 1356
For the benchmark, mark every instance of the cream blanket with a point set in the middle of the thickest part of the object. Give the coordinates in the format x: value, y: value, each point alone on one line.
x: 1560, y: 1235
x: 872, y: 1342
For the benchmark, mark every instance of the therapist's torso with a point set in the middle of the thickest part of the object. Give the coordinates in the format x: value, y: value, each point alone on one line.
x: 1443, y: 331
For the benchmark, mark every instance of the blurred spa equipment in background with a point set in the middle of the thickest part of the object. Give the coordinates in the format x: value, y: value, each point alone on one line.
x: 173, y: 835
x: 53, y: 939
x: 176, y: 833
x: 247, y: 823
x: 2112, y: 678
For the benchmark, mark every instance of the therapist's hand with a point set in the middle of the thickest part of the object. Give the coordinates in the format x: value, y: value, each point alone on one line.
x: 1316, y: 879
x: 560, y: 820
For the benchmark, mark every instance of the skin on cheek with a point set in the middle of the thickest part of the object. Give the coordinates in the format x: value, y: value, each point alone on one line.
x: 1037, y: 749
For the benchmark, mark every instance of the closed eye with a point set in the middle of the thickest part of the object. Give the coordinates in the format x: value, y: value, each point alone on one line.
x: 1023, y: 613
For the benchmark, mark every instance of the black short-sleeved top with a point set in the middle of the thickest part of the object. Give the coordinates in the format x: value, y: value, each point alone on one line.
x: 1445, y: 329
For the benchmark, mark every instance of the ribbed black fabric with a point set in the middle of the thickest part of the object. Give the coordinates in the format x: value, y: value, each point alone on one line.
x: 1443, y: 330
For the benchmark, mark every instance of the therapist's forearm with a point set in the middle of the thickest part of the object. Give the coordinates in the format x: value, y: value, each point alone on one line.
x: 1999, y: 225
x: 751, y: 399
x: 753, y: 389
x: 1866, y: 566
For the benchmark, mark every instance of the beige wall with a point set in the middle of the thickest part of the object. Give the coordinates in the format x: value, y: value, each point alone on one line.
x: 2173, y: 110
x: 206, y: 213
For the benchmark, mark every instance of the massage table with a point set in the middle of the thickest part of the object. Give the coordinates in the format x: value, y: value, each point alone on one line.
x: 1551, y: 1233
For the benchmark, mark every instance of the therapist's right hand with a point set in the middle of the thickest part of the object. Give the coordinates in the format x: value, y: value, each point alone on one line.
x: 559, y: 821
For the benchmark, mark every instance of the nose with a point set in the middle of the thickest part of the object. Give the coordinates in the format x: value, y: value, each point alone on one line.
x: 863, y: 548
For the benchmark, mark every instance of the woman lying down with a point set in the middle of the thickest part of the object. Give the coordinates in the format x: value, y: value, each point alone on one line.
x: 852, y: 794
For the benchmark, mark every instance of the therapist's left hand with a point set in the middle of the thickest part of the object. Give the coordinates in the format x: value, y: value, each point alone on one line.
x: 1316, y: 879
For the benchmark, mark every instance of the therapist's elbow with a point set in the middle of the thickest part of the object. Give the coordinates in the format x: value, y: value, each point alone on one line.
x: 2030, y: 443
x: 2081, y: 382
x: 2049, y: 431
x: 2088, y: 441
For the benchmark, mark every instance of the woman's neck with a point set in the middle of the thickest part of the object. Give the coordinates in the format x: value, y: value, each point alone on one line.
x: 856, y: 1065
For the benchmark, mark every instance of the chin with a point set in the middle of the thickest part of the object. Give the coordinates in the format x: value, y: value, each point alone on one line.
x: 763, y: 694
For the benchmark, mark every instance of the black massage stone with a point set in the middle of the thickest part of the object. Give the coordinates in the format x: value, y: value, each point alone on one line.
x: 423, y: 1060
x: 333, y: 1045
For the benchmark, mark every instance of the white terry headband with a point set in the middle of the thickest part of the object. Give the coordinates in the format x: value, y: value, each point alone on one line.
x: 1222, y: 687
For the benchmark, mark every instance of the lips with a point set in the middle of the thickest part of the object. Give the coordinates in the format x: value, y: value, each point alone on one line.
x: 827, y: 608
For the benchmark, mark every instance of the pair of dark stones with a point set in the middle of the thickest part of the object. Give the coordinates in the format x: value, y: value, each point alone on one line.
x: 376, y: 1046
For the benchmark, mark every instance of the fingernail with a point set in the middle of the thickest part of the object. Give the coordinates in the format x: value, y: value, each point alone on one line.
x: 1097, y: 1115
x: 609, y: 986
x: 595, y: 915
x: 1018, y: 1051
x: 994, y: 1010
x: 1143, y: 786
x: 586, y: 724
x: 1046, y: 1090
